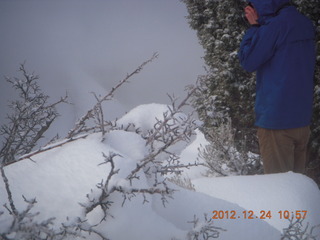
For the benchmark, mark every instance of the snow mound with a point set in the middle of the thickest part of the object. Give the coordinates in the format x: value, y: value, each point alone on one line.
x: 280, y: 194
x: 62, y: 178
x: 144, y: 116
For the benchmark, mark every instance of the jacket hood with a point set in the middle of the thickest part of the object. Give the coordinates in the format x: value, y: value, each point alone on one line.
x: 268, y: 7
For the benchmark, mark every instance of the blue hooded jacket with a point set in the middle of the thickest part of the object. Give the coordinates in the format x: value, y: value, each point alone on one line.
x: 282, y: 52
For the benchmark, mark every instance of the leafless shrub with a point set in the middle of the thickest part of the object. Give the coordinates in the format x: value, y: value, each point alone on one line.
x: 183, y: 182
x: 296, y: 231
x: 204, y: 230
x: 168, y: 131
x: 24, y: 226
x: 174, y: 127
x: 222, y: 157
x: 31, y: 118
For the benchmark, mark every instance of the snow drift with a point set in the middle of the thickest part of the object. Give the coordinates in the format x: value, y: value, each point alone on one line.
x: 64, y: 179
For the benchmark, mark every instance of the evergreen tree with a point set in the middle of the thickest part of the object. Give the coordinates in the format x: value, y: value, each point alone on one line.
x: 227, y: 91
x: 311, y: 9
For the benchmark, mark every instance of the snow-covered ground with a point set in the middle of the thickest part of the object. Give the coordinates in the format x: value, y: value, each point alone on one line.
x: 245, y: 207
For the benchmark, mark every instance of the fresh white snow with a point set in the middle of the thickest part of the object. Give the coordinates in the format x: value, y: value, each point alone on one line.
x: 61, y: 178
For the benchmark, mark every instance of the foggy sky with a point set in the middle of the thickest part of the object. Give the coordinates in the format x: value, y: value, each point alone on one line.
x: 84, y: 46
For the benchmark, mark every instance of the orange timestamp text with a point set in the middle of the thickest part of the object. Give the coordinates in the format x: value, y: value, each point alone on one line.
x: 263, y: 214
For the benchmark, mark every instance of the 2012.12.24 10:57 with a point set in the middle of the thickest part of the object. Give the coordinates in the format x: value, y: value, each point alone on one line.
x: 263, y: 214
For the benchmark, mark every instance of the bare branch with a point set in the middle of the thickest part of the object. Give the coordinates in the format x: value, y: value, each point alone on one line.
x: 296, y: 231
x: 171, y: 129
x: 31, y: 117
x: 13, y: 209
x: 81, y: 123
x: 47, y: 148
x: 204, y: 231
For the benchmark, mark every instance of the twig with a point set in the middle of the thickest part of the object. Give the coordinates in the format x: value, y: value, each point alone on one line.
x: 9, y: 193
x: 100, y: 115
x: 47, y: 148
x: 88, y: 115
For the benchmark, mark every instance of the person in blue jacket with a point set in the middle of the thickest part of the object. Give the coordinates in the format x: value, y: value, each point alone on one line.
x: 280, y: 46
